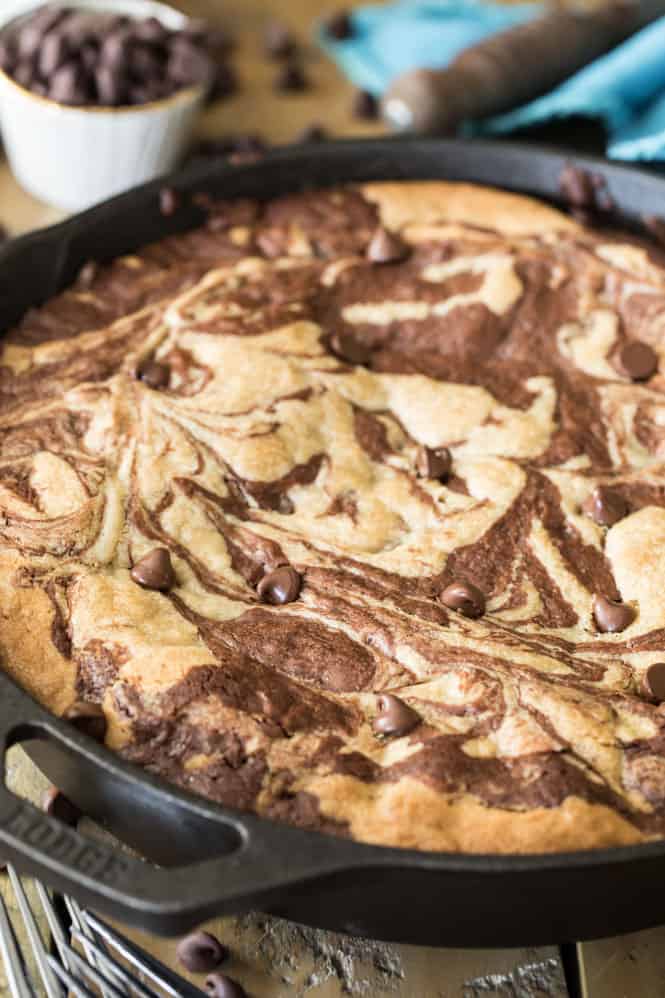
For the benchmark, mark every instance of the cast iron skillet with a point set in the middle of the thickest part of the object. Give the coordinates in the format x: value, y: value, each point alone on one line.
x: 208, y: 860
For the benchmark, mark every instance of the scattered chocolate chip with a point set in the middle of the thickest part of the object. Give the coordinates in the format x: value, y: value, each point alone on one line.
x: 154, y: 570
x: 365, y: 106
x: 655, y: 680
x: 7, y: 55
x: 169, y: 201
x: 312, y: 133
x: 577, y: 187
x: 637, y: 360
x: 386, y: 247
x: 290, y: 78
x: 349, y: 348
x: 245, y: 158
x: 605, y: 506
x: 60, y: 807
x: 88, y: 718
x: 612, y: 616
x: 339, y: 26
x: 87, y: 275
x: 200, y: 952
x: 278, y: 41
x: 654, y: 225
x: 394, y: 717
x: 221, y: 986
x: 280, y: 586
x: 465, y: 598
x: 155, y: 374
x: 434, y: 462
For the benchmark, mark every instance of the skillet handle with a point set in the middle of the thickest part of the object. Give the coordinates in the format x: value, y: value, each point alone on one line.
x: 263, y: 859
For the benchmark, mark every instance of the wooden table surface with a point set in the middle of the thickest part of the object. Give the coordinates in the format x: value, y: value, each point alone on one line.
x: 271, y: 958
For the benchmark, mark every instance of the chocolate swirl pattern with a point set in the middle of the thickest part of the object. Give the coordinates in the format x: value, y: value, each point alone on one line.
x: 439, y: 673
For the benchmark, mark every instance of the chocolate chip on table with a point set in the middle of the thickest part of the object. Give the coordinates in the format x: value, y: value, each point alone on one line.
x: 154, y: 571
x: 465, y: 598
x: 655, y: 681
x: 58, y: 806
x: 365, y: 106
x: 605, y: 506
x: 290, y: 79
x: 278, y: 41
x: 169, y: 201
x: 200, y: 952
x: 386, y: 247
x: 637, y: 360
x: 612, y: 616
x: 577, y: 187
x: 155, y: 374
x: 280, y: 586
x: 221, y: 986
x: 434, y: 462
x: 349, y: 348
x: 395, y: 717
x: 339, y: 26
x: 88, y: 718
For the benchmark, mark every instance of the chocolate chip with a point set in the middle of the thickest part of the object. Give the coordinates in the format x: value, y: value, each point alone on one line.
x: 339, y: 26
x: 611, y: 616
x: 221, y: 986
x: 169, y: 201
x: 637, y: 360
x: 7, y: 55
x: 67, y: 85
x: 347, y: 347
x: 280, y: 586
x: 278, y: 41
x: 200, y: 952
x: 394, y: 717
x: 87, y: 275
x: 111, y: 83
x: 434, y: 462
x: 150, y: 30
x: 577, y: 187
x: 60, y: 807
x: 465, y: 598
x: 654, y: 224
x: 290, y: 78
x: 189, y: 65
x: 154, y: 570
x: 312, y: 133
x: 54, y: 51
x: 155, y: 374
x: 605, y: 506
x: 88, y: 718
x: 24, y: 74
x: 224, y: 83
x: 386, y: 247
x: 655, y: 680
x: 365, y: 106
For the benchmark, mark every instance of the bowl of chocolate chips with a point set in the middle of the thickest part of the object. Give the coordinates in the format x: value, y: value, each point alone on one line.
x: 96, y: 97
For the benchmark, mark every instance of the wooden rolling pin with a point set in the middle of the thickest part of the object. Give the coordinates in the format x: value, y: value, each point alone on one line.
x: 512, y: 67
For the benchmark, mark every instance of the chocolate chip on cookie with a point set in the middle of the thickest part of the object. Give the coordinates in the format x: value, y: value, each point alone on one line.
x: 464, y: 598
x: 154, y: 571
x: 612, y: 616
x: 280, y: 586
x: 395, y: 717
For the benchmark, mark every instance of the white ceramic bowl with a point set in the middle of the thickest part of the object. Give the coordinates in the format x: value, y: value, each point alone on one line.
x: 73, y: 157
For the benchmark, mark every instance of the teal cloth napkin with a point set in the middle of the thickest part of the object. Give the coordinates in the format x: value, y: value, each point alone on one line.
x: 625, y: 88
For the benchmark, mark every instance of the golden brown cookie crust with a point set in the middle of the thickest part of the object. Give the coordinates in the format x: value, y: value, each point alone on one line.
x: 305, y: 388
